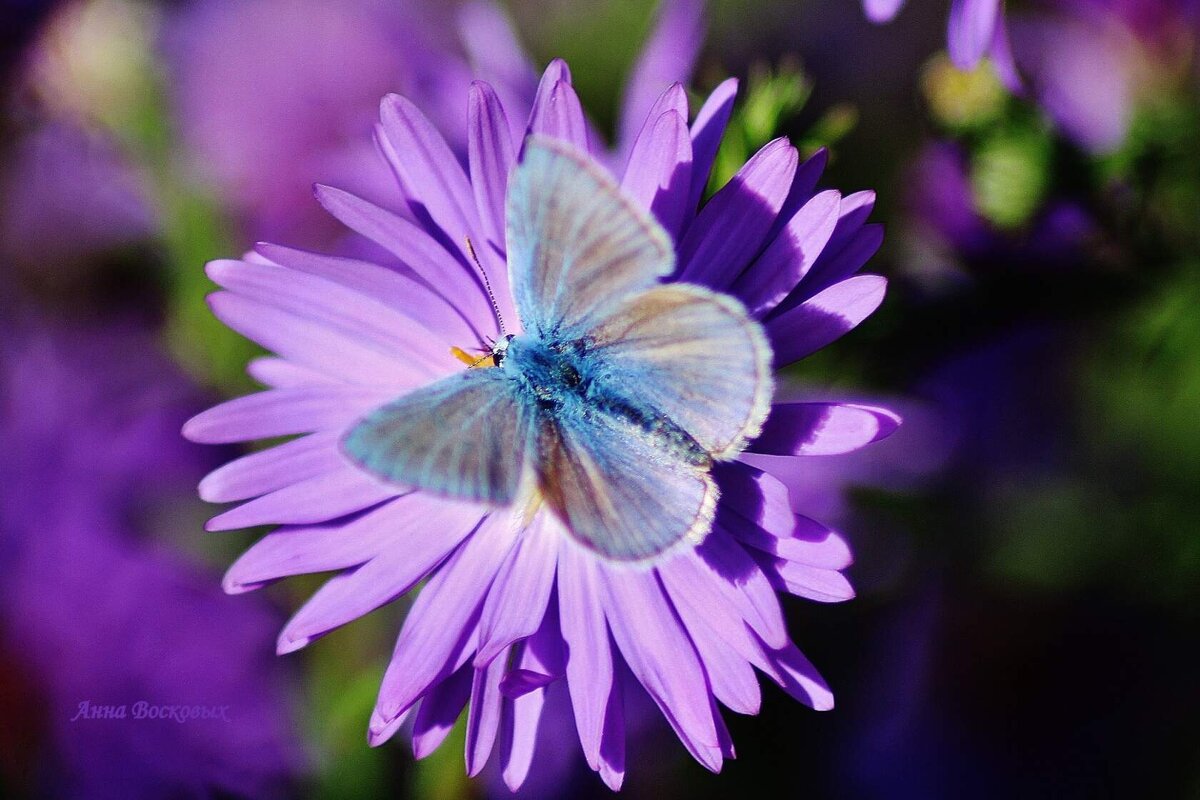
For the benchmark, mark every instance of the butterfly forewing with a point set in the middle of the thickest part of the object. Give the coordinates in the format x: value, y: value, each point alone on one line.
x: 575, y: 242
x: 464, y: 436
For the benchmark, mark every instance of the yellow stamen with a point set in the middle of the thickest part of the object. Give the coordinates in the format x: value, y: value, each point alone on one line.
x: 472, y: 360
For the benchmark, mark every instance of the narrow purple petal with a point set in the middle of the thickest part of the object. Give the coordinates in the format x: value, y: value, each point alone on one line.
x: 757, y: 496
x: 338, y: 545
x: 277, y: 373
x: 557, y: 111
x: 415, y: 248
x: 809, y: 543
x: 719, y: 562
x: 662, y: 657
x: 1002, y: 58
x: 309, y: 343
x: 519, y: 737
x: 516, y: 604
x: 732, y: 679
x: 325, y: 497
x: 404, y: 290
x: 707, y: 130
x: 490, y: 156
x: 282, y: 412
x: 822, y: 429
x: 373, y: 323
x: 439, y: 711
x: 267, y: 470
x: 442, y: 619
x: 379, y: 734
x: 611, y: 764
x: 796, y: 675
x: 427, y: 168
x: 732, y: 227
x: 790, y: 255
x: 438, y: 189
x: 413, y: 551
x: 813, y: 583
x: 971, y: 29
x: 497, y: 56
x: 824, y: 318
x: 880, y: 11
x: 589, y: 658
x: 668, y: 56
x: 483, y: 717
x: 658, y: 175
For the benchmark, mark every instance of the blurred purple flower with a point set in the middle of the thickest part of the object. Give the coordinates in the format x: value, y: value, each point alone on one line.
x: 67, y: 197
x: 503, y: 615
x: 941, y: 203
x: 92, y: 613
x: 975, y: 29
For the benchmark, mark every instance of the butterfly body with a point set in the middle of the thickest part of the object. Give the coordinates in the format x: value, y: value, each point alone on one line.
x: 617, y: 398
x: 565, y: 381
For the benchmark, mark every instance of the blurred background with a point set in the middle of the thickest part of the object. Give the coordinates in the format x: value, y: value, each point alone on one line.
x: 1028, y: 545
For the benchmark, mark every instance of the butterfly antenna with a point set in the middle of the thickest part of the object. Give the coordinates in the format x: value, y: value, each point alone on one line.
x: 488, y: 286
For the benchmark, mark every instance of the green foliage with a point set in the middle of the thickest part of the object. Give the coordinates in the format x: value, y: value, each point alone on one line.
x: 1011, y: 173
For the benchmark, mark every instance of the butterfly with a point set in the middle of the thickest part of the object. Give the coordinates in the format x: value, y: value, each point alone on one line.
x: 617, y: 399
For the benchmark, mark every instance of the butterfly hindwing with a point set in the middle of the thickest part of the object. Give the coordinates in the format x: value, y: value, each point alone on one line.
x: 465, y: 436
x: 618, y: 494
x: 693, y: 355
x: 575, y: 241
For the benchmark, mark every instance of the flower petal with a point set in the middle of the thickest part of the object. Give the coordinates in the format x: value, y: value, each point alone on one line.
x: 668, y: 56
x: 442, y: 619
x: 338, y: 545
x: 556, y: 109
x: 707, y: 130
x: 282, y: 412
x: 267, y: 470
x: 790, y: 255
x: 658, y: 175
x: 823, y: 318
x: 722, y: 564
x: 589, y: 658
x: 662, y: 658
x: 732, y: 227
x: 309, y: 343
x: 822, y: 429
x: 279, y: 373
x: 439, y: 710
x: 483, y: 716
x: 490, y: 156
x: 813, y: 583
x: 415, y: 248
x: 404, y: 290
x: 971, y: 29
x: 417, y: 545
x: 732, y: 679
x: 516, y: 604
x: 324, y: 497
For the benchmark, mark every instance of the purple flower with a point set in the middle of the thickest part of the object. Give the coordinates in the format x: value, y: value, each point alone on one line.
x: 503, y: 614
x: 975, y: 29
x: 1062, y: 53
x: 274, y: 94
x: 97, y: 618
x: 69, y: 195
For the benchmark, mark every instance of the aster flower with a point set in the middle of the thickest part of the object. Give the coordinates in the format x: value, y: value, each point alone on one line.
x: 505, y: 613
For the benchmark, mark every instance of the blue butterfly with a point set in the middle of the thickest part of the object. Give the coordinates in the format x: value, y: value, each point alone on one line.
x: 617, y: 399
